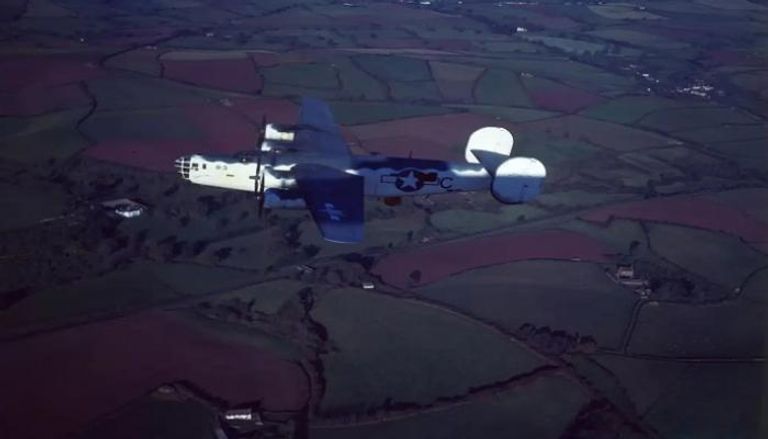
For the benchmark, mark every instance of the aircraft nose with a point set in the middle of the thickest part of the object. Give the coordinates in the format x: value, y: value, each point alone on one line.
x: 182, y: 165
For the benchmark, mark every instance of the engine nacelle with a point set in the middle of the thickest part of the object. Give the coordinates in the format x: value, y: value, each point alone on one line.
x: 273, y: 132
x: 493, y: 139
x: 283, y: 199
x: 518, y: 180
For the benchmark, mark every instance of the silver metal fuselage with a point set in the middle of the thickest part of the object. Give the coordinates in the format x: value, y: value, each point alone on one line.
x: 384, y: 176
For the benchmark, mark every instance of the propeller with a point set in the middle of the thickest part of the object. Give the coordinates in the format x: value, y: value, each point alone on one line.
x: 258, y: 181
x: 261, y: 197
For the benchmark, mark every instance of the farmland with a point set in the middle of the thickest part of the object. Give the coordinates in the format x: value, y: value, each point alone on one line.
x: 363, y: 370
x: 627, y: 300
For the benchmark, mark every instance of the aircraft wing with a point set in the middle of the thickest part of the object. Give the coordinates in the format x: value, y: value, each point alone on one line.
x: 335, y: 200
x: 319, y: 131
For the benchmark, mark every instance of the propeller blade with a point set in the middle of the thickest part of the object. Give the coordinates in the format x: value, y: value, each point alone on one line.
x: 261, y: 196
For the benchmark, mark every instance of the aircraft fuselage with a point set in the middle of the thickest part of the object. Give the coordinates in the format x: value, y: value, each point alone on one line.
x: 384, y: 176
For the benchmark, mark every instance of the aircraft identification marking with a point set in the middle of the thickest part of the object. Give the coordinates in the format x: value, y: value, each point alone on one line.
x: 410, y: 180
x: 333, y: 213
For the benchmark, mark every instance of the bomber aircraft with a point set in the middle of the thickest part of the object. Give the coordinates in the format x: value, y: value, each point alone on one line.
x: 309, y: 166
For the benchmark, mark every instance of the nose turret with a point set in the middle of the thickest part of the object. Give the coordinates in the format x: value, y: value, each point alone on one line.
x: 183, y: 166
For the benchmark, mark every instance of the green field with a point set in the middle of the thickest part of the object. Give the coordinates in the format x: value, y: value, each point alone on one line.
x: 578, y: 198
x: 749, y: 154
x: 268, y: 297
x: 30, y: 203
x: 680, y: 119
x: 528, y: 411
x: 617, y: 236
x: 302, y: 75
x: 407, y: 352
x: 394, y: 68
x: 580, y: 299
x: 641, y: 39
x: 643, y: 380
x: 358, y: 113
x: 152, y: 124
x: 418, y: 91
x: 628, y: 109
x: 135, y: 287
x: 729, y: 134
x: 568, y: 45
x: 356, y: 83
x: 713, y: 401
x: 500, y: 87
x: 736, y: 329
x: 37, y: 139
x: 508, y: 113
x: 143, y: 93
x: 465, y: 221
x: 722, y: 259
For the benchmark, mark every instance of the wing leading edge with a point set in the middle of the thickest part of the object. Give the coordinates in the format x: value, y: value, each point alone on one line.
x: 335, y: 200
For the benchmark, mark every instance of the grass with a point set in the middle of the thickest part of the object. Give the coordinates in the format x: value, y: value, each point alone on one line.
x: 618, y: 235
x: 142, y: 93
x: 358, y: 113
x: 644, y: 380
x: 40, y: 138
x: 680, y: 119
x: 712, y: 401
x: 641, y: 39
x: 528, y: 411
x: 128, y: 289
x: 580, y: 298
x: 152, y: 124
x: 729, y: 134
x: 418, y: 91
x: 720, y: 258
x: 577, y: 198
x: 464, y: 221
x: 499, y: 87
x: 394, y: 68
x: 508, y: 113
x: 268, y: 297
x: 302, y: 75
x: 735, y: 329
x: 372, y: 336
x: 356, y: 83
x: 30, y: 203
x: 569, y: 45
x: 628, y: 109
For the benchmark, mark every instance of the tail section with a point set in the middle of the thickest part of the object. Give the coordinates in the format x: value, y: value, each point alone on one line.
x: 515, y: 179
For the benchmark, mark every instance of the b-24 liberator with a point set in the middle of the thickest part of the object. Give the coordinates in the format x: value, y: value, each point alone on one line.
x: 309, y: 166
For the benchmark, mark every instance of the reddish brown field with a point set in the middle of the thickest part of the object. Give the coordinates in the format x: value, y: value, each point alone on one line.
x: 265, y: 59
x: 225, y: 130
x: 441, y: 260
x: 53, y: 384
x: 276, y: 110
x: 45, y: 71
x: 698, y: 212
x: 156, y: 155
x: 37, y: 100
x: 550, y: 95
x: 225, y: 74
